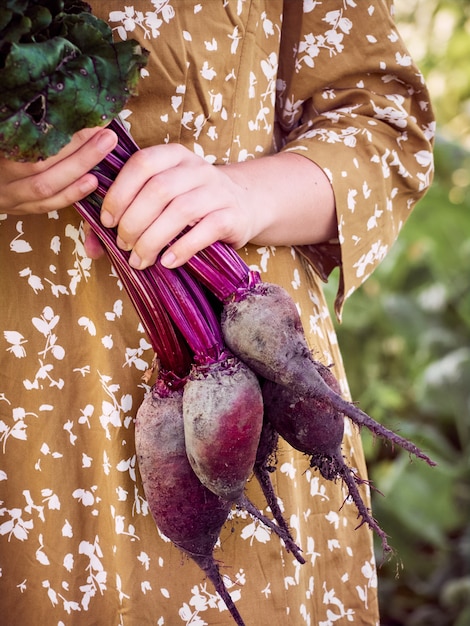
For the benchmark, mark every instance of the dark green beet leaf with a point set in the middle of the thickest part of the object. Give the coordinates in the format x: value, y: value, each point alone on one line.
x: 59, y: 72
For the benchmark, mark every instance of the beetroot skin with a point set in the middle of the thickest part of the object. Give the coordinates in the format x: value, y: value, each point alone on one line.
x: 307, y: 423
x: 223, y: 417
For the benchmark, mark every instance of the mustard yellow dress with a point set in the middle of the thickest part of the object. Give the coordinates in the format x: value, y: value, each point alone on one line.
x: 232, y: 80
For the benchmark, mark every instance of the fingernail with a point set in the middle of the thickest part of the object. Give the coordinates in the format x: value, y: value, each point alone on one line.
x: 135, y: 261
x: 106, y: 142
x: 88, y: 185
x: 168, y: 259
x: 107, y: 219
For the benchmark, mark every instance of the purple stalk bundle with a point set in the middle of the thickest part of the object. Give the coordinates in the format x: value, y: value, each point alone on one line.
x: 167, y: 343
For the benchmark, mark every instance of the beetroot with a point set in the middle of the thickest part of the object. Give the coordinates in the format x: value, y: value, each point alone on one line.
x: 263, y: 328
x: 223, y: 416
x: 305, y: 421
x: 316, y: 428
x: 188, y: 513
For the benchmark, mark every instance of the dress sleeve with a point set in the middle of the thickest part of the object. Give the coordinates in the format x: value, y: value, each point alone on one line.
x: 351, y: 99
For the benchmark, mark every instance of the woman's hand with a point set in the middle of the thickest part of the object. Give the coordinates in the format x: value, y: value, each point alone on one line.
x: 164, y: 189
x: 283, y: 199
x: 57, y: 182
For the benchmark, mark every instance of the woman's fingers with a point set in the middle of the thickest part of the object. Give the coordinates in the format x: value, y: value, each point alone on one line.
x: 149, y: 169
x: 56, y: 182
x: 161, y: 195
x: 204, y: 214
x: 168, y: 195
x: 216, y: 226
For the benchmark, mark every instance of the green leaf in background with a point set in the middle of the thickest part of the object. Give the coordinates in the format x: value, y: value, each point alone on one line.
x: 409, y: 504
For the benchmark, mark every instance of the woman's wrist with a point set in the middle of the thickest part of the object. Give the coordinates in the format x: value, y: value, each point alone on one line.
x: 290, y: 198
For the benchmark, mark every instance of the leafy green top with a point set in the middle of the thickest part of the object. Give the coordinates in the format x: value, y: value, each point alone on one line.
x: 60, y: 71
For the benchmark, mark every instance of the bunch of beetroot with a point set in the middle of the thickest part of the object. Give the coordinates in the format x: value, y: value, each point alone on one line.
x: 233, y: 368
x: 234, y: 374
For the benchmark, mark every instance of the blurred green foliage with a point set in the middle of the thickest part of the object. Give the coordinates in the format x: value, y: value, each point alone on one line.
x: 405, y: 339
x: 437, y: 32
